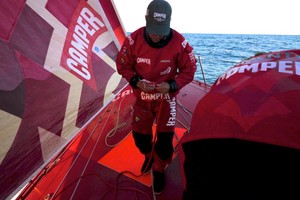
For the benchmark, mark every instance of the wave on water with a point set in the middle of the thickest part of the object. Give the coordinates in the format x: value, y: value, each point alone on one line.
x: 219, y: 52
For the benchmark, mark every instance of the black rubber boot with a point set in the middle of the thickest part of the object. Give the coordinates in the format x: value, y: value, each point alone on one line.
x: 164, y: 151
x: 159, y: 182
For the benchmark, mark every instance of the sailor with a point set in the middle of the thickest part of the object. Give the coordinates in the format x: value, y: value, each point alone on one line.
x: 244, y: 142
x: 157, y: 62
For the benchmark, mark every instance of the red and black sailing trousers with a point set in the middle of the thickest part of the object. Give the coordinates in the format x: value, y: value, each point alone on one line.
x: 158, y: 117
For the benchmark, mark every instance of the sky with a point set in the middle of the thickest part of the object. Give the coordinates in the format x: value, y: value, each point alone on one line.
x: 220, y: 16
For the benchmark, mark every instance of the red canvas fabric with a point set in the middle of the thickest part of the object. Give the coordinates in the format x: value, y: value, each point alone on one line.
x: 42, y: 104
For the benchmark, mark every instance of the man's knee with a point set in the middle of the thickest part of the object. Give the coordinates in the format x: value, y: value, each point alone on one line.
x: 143, y: 142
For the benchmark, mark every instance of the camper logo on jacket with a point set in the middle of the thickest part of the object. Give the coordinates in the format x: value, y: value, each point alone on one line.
x: 143, y: 60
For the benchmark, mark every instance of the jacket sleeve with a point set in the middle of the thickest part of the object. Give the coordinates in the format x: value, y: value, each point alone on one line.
x: 125, y: 62
x: 186, y: 65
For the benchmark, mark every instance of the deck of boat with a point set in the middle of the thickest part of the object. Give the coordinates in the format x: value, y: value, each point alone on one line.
x: 102, y: 162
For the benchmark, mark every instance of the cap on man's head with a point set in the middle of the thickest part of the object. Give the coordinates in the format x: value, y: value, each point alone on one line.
x: 158, y: 17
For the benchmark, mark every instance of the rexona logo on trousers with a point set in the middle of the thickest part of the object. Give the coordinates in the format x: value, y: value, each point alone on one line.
x: 85, y: 27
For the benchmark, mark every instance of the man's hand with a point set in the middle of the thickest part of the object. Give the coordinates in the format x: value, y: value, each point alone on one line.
x: 145, y: 85
x: 163, y: 87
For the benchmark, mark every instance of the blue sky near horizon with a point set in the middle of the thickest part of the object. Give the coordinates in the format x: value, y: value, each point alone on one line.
x: 220, y: 16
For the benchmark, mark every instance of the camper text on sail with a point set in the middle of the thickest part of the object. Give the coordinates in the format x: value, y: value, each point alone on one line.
x: 86, y: 26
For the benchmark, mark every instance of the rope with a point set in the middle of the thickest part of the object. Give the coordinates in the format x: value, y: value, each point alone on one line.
x: 98, y: 139
x: 189, y: 114
x: 113, y: 131
x: 54, y: 195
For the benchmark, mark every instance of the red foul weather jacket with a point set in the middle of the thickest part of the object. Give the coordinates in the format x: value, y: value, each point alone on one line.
x: 175, y: 60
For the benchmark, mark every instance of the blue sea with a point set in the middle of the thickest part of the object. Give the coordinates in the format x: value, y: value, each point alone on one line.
x: 219, y: 52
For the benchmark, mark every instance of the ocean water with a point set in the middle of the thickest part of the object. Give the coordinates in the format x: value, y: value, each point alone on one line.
x: 219, y: 52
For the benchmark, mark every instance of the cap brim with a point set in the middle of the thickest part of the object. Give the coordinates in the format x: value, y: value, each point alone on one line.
x: 158, y: 29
